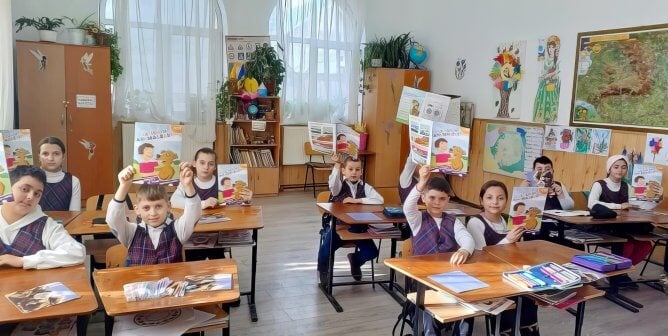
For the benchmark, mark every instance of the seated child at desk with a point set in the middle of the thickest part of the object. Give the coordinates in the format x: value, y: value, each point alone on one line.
x: 348, y: 189
x: 558, y: 197
x: 62, y: 190
x: 434, y: 231
x: 30, y: 239
x: 489, y: 228
x: 156, y: 238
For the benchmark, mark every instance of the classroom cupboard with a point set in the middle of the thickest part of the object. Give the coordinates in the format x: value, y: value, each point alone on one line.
x: 65, y: 91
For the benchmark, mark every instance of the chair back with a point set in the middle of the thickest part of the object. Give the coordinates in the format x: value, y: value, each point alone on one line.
x: 308, y: 150
x: 101, y: 202
x: 323, y: 197
x: 579, y: 199
x: 390, y: 195
x: 407, y: 248
x: 116, y: 256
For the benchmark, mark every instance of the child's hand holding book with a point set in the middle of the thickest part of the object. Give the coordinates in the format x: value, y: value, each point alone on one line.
x: 125, y: 176
x: 516, y: 233
x: 186, y: 179
x: 424, y: 172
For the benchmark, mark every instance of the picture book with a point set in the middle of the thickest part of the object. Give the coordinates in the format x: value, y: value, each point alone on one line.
x: 157, y: 153
x: 321, y: 137
x: 543, y: 277
x: 643, y: 177
x: 213, y: 282
x: 526, y: 207
x: 427, y: 105
x: 63, y: 326
x: 419, y: 133
x: 42, y: 296
x: 436, y: 107
x: 410, y: 103
x: 347, y: 140
x: 450, y: 148
x: 18, y: 147
x: 5, y: 185
x: 233, y: 186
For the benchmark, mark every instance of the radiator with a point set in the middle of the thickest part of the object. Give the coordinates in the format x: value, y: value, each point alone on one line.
x: 188, y: 147
x: 294, y: 138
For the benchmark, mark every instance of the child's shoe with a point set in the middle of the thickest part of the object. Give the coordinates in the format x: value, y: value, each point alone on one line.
x: 355, y: 269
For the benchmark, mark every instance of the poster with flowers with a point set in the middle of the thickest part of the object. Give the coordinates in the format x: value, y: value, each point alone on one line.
x: 655, y: 152
x: 506, y: 75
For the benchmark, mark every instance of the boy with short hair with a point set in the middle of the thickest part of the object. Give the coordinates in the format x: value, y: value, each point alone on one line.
x: 156, y: 238
x: 558, y: 197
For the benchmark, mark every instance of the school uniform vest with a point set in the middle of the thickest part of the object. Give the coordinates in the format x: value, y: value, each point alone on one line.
x: 57, y: 196
x: 205, y: 194
x: 491, y: 237
x: 403, y: 192
x: 552, y: 202
x: 142, y: 251
x: 430, y: 239
x: 347, y: 192
x: 617, y: 197
x: 28, y: 240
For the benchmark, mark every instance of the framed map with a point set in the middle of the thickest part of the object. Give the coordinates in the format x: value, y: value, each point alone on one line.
x: 621, y: 78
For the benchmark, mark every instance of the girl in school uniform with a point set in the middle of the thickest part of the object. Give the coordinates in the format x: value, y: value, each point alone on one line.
x: 30, y: 239
x: 62, y: 190
x: 155, y: 238
x: 489, y: 228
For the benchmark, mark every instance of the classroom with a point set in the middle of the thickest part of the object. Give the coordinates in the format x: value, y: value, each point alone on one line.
x: 333, y: 167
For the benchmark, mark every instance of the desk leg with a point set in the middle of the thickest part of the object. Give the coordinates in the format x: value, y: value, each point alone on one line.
x: 393, y: 253
x: 579, y: 318
x: 518, y: 313
x: 251, y: 300
x: 226, y: 331
x: 82, y: 324
x: 419, y: 309
x: 108, y: 324
x: 327, y: 289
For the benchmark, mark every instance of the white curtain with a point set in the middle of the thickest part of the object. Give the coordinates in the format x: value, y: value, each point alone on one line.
x: 6, y: 66
x: 321, y: 49
x: 171, y: 52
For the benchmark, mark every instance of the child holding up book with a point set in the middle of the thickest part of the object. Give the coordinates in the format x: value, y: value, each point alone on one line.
x: 30, y: 239
x: 407, y: 179
x: 434, y: 231
x: 346, y: 186
x: 156, y: 238
x: 489, y: 228
x: 62, y: 190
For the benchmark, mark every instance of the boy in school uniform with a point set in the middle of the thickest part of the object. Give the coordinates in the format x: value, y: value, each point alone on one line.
x: 434, y: 231
x: 348, y: 188
x: 407, y: 179
x: 558, y: 197
x: 30, y: 239
x: 156, y: 238
x: 62, y: 191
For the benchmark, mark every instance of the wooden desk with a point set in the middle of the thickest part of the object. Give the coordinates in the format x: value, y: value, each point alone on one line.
x: 341, y: 211
x: 75, y: 278
x: 83, y: 224
x: 109, y: 283
x: 65, y: 216
x: 241, y: 218
x: 631, y: 216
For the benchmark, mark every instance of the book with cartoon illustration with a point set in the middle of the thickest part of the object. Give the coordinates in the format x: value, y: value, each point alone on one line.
x: 347, y: 141
x: 643, y: 177
x: 450, y: 148
x: 419, y: 134
x: 5, y: 185
x: 526, y: 207
x: 42, y: 296
x: 233, y: 186
x: 427, y: 105
x: 18, y: 148
x: 157, y: 153
x: 329, y: 138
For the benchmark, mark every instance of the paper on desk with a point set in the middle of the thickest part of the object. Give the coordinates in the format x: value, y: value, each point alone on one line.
x: 160, y: 323
x: 363, y: 216
x: 494, y: 307
x: 567, y: 213
x: 458, y: 281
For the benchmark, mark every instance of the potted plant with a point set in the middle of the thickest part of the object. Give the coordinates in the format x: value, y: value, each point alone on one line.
x: 115, y: 56
x: 393, y: 52
x: 78, y: 32
x: 265, y: 66
x: 226, y: 106
x: 44, y: 25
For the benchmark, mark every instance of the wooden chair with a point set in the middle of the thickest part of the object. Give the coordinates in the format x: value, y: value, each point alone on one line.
x: 314, y: 166
x: 579, y: 199
x: 656, y: 242
x: 97, y: 248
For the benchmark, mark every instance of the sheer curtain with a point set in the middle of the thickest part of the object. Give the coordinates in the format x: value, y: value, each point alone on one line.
x: 6, y: 66
x: 170, y: 52
x: 321, y: 49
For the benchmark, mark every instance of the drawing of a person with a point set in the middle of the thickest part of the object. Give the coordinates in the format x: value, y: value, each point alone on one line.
x: 227, y: 189
x: 518, y: 213
x: 148, y: 163
x: 641, y: 185
x: 341, y: 143
x: 441, y: 152
x: 10, y: 158
x: 547, y: 96
x: 415, y: 109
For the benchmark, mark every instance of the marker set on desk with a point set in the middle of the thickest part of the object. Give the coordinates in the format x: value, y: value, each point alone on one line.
x: 601, y: 261
x: 543, y: 276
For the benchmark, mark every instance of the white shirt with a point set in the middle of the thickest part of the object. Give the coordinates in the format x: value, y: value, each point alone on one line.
x: 178, y: 198
x: 335, y: 184
x: 406, y: 177
x: 60, y: 248
x: 75, y: 201
x: 125, y: 230
x: 597, y: 190
x: 414, y: 218
x: 477, y: 229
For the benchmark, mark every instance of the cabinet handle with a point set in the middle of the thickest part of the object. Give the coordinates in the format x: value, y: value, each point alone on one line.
x: 62, y: 115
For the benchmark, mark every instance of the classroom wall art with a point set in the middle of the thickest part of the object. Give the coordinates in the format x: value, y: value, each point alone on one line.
x: 582, y: 140
x: 621, y: 78
x: 655, y: 151
x: 546, y: 103
x: 506, y: 75
x: 511, y: 149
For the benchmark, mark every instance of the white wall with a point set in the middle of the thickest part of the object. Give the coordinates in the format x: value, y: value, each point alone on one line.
x: 77, y: 9
x: 248, y: 17
x: 471, y: 29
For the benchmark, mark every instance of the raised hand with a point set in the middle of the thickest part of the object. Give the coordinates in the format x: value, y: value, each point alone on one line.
x: 125, y: 176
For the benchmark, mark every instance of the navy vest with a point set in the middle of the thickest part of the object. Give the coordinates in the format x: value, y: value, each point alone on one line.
x: 491, y: 237
x: 346, y: 192
x: 617, y: 197
x: 403, y: 192
x: 142, y: 251
x: 57, y: 196
x: 431, y: 240
x: 205, y: 194
x: 28, y: 240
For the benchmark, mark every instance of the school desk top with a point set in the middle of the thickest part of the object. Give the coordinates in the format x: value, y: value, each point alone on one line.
x: 75, y: 278
x: 110, y: 283
x: 65, y: 216
x: 630, y: 216
x: 341, y: 211
x: 481, y: 265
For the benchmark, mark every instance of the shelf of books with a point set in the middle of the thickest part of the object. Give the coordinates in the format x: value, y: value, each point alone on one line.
x: 254, y: 140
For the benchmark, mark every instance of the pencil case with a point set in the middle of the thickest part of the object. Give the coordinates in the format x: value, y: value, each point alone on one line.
x: 394, y: 212
x: 543, y: 277
x: 602, y: 261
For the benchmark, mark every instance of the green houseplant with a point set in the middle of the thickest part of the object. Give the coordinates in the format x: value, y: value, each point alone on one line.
x: 44, y: 25
x: 226, y: 105
x: 266, y: 67
x: 78, y: 32
x: 394, y: 52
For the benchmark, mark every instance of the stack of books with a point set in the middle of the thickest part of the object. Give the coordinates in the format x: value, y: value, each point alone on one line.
x: 384, y: 230
x: 581, y: 237
x: 261, y: 158
x: 235, y: 238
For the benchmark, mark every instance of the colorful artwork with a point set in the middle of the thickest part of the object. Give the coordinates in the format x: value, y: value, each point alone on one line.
x: 410, y: 103
x: 566, y: 139
x: 347, y: 140
x: 18, y: 148
x: 654, y: 149
x: 550, y: 140
x: 582, y: 140
x: 321, y: 137
x: 450, y: 148
x: 419, y: 132
x: 526, y: 207
x: 233, y: 184
x: 157, y: 153
x: 511, y: 149
x: 506, y: 74
x: 546, y: 104
x: 643, y: 176
x: 621, y: 78
x: 600, y: 141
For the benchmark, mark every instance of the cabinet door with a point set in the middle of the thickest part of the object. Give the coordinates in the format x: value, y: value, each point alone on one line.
x: 264, y: 181
x: 89, y: 133
x: 41, y: 90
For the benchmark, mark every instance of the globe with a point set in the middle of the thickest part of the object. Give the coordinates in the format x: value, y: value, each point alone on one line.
x: 417, y: 53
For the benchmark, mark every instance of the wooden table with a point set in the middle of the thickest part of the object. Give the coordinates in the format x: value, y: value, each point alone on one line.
x: 64, y: 216
x: 75, y: 278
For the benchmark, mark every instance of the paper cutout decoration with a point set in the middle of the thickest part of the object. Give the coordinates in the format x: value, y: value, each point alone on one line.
x: 41, y: 59
x: 88, y: 145
x: 86, y: 63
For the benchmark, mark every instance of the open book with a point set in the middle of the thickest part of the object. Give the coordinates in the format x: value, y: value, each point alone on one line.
x: 330, y: 138
x: 42, y: 296
x: 643, y: 177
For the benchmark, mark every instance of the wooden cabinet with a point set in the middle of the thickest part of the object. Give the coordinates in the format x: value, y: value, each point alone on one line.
x: 65, y: 91
x: 239, y: 143
x: 388, y: 139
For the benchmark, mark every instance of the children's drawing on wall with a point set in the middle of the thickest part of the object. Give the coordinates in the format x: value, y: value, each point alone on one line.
x: 654, y: 151
x: 634, y: 157
x: 582, y: 140
x: 566, y: 143
x: 510, y: 149
x: 600, y: 141
x: 506, y: 75
x: 550, y: 141
x: 460, y: 68
x: 546, y: 105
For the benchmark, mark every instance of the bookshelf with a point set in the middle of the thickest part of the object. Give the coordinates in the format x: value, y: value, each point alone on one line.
x: 240, y: 143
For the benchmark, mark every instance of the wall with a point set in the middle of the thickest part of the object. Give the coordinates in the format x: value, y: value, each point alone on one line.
x: 248, y: 17
x: 472, y: 29
x: 77, y: 9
